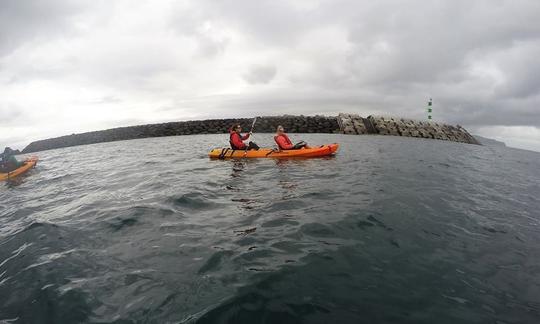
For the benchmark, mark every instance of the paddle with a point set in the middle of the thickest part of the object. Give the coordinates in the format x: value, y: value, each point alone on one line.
x: 253, y: 125
x: 250, y: 133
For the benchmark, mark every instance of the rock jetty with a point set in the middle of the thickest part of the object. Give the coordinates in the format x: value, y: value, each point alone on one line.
x: 341, y: 124
x: 294, y: 124
x: 356, y: 125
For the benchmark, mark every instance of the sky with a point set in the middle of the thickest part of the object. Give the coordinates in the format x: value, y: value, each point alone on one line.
x: 71, y: 66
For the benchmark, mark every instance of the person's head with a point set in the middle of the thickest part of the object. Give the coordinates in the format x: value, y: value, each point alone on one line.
x: 8, y: 152
x: 236, y: 128
x: 280, y: 129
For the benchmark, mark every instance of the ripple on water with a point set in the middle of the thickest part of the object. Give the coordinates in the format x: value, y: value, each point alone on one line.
x: 192, y: 201
x: 37, y: 271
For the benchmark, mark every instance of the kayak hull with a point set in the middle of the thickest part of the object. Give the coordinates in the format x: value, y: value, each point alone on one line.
x: 319, y: 151
x: 29, y: 163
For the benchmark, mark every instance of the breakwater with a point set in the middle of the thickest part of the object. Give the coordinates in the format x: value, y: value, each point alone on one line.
x: 293, y: 124
x: 355, y: 125
x: 343, y: 123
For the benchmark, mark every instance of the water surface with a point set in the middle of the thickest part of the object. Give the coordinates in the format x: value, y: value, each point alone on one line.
x: 391, y: 230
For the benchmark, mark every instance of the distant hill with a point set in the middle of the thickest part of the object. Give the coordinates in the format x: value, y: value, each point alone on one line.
x: 489, y: 141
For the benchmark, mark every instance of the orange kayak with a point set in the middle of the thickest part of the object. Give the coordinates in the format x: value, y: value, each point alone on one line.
x: 227, y: 153
x: 28, y: 164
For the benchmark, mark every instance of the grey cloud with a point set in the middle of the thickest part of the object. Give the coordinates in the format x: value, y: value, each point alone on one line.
x: 7, y: 115
x: 210, y: 47
x: 10, y: 114
x: 398, y: 49
x: 107, y: 100
x: 260, y: 74
x: 432, y: 42
x: 276, y: 23
x: 24, y: 21
x: 195, y: 24
x: 522, y: 72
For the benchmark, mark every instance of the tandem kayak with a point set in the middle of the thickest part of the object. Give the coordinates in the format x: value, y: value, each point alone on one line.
x: 28, y: 164
x: 227, y: 153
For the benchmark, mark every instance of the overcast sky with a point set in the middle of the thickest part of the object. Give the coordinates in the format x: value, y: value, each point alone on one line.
x: 70, y: 66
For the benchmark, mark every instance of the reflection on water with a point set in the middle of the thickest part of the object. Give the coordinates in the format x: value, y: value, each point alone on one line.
x: 237, y: 168
x: 391, y: 230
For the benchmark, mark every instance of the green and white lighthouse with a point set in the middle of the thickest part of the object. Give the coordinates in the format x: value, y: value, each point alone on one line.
x: 429, y: 109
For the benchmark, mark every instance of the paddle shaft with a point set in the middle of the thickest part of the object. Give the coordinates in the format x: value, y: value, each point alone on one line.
x: 253, y: 124
x: 251, y: 133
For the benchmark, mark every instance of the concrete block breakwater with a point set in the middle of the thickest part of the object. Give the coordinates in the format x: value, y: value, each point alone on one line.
x: 354, y: 124
x: 343, y: 123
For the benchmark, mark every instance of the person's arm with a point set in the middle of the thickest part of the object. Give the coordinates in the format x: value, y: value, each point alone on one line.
x: 282, y: 143
x: 245, y: 137
x: 237, y: 141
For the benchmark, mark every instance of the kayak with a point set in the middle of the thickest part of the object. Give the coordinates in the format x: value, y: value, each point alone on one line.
x: 28, y: 164
x: 227, y: 153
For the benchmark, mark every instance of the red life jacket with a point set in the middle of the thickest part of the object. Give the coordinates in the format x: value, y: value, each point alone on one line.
x: 283, y: 141
x: 236, y: 139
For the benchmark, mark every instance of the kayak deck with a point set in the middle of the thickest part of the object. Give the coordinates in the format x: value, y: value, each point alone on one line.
x: 28, y: 164
x: 319, y: 151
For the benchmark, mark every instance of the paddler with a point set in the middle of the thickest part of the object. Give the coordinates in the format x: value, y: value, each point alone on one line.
x: 237, y: 139
x: 8, y: 162
x: 284, y: 142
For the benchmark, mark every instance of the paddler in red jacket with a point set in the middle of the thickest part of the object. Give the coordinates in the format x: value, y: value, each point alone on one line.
x: 237, y: 139
x: 284, y: 142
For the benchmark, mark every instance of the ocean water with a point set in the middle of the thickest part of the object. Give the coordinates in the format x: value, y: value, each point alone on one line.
x: 390, y: 230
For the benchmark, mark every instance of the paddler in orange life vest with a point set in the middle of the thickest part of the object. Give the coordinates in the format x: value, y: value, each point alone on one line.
x: 284, y: 142
x: 237, y: 139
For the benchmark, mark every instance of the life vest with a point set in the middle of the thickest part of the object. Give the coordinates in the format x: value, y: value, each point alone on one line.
x: 231, y: 141
x: 234, y: 147
x: 287, y: 141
